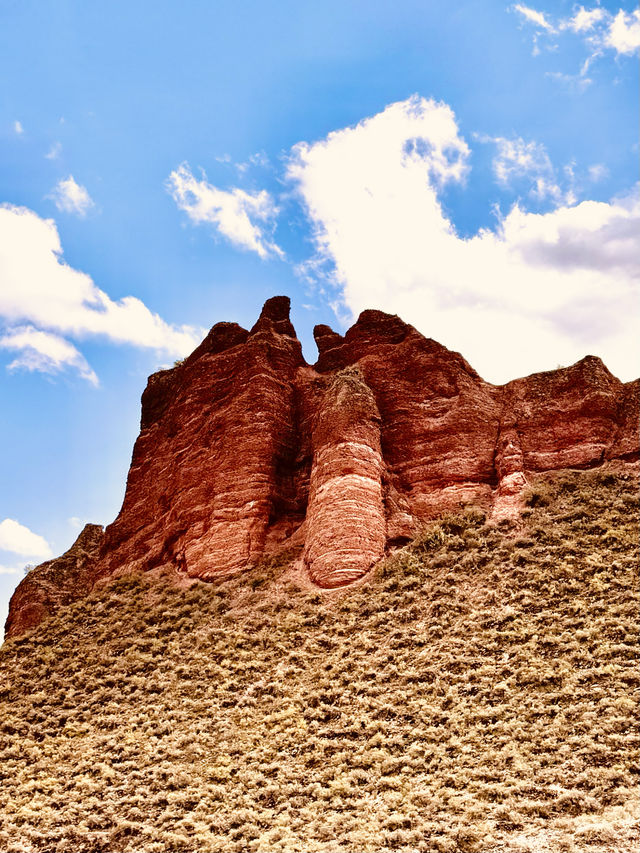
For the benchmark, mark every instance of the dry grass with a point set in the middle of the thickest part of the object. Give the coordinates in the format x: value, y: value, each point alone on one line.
x: 475, y: 694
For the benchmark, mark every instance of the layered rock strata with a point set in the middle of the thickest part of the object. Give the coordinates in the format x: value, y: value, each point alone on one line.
x: 244, y: 449
x: 345, y: 514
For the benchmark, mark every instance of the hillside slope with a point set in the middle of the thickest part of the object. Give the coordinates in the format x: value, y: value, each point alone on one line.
x: 473, y: 693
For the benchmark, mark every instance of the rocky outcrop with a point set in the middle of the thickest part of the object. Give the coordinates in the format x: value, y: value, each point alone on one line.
x: 55, y: 583
x: 245, y: 449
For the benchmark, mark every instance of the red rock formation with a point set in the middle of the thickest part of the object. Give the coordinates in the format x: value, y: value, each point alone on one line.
x: 346, y: 526
x: 55, y: 583
x: 211, y: 468
x: 245, y: 449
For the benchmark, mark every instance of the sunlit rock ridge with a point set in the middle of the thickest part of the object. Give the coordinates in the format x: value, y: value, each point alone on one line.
x: 246, y: 450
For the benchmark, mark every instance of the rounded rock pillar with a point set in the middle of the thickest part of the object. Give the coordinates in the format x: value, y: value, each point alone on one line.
x: 346, y: 527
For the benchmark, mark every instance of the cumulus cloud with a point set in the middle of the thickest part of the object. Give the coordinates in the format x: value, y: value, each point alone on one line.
x: 18, y: 128
x: 535, y: 291
x: 42, y: 298
x: 357, y: 180
x: 44, y: 352
x: 69, y: 196
x: 245, y: 219
x: 18, y: 539
x: 623, y: 34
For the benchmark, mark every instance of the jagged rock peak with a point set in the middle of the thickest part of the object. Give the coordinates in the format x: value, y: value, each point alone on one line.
x: 221, y: 337
x: 275, y: 317
x: 326, y: 338
x: 388, y: 327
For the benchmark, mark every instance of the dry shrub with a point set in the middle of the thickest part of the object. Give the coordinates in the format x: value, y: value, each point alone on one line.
x: 475, y: 694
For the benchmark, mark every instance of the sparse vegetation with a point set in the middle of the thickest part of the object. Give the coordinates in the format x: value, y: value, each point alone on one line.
x: 474, y: 694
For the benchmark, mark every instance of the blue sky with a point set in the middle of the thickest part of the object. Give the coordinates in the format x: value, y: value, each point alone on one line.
x: 470, y: 166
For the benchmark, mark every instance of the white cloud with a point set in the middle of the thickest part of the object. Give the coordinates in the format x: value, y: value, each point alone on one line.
x: 538, y: 290
x: 18, y: 539
x: 585, y: 19
x: 356, y: 181
x: 18, y: 128
x: 624, y: 33
x: 45, y: 352
x: 10, y: 570
x: 517, y: 159
x: 233, y: 213
x: 535, y: 17
x: 597, y: 27
x: 71, y: 197
x: 54, y: 152
x: 40, y: 292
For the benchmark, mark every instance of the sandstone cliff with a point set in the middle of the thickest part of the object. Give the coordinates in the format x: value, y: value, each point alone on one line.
x: 244, y: 449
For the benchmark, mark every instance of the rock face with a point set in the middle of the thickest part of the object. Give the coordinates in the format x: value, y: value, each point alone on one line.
x: 212, y: 468
x: 244, y: 450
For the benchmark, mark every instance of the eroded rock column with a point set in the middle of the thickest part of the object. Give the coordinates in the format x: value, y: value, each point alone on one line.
x: 204, y: 484
x: 509, y: 465
x: 346, y: 528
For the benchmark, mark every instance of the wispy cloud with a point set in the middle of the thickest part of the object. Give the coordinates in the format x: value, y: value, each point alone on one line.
x: 572, y: 82
x: 525, y: 164
x: 598, y: 172
x: 18, y: 128
x: 533, y: 16
x: 517, y: 158
x: 245, y: 219
x: 600, y: 30
x: 42, y: 298
x: 71, y: 197
x: 54, y: 152
x: 543, y: 288
x: 44, y: 352
x: 18, y: 539
x: 585, y: 20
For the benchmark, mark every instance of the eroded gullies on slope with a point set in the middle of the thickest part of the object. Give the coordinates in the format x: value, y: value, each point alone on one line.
x: 245, y: 450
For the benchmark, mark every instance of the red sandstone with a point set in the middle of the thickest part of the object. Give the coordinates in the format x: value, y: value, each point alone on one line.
x: 244, y: 449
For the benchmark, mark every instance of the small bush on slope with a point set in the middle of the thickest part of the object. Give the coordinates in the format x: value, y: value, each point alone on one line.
x: 473, y: 694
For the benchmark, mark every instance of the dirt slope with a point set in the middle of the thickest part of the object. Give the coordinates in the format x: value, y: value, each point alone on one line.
x: 474, y: 693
